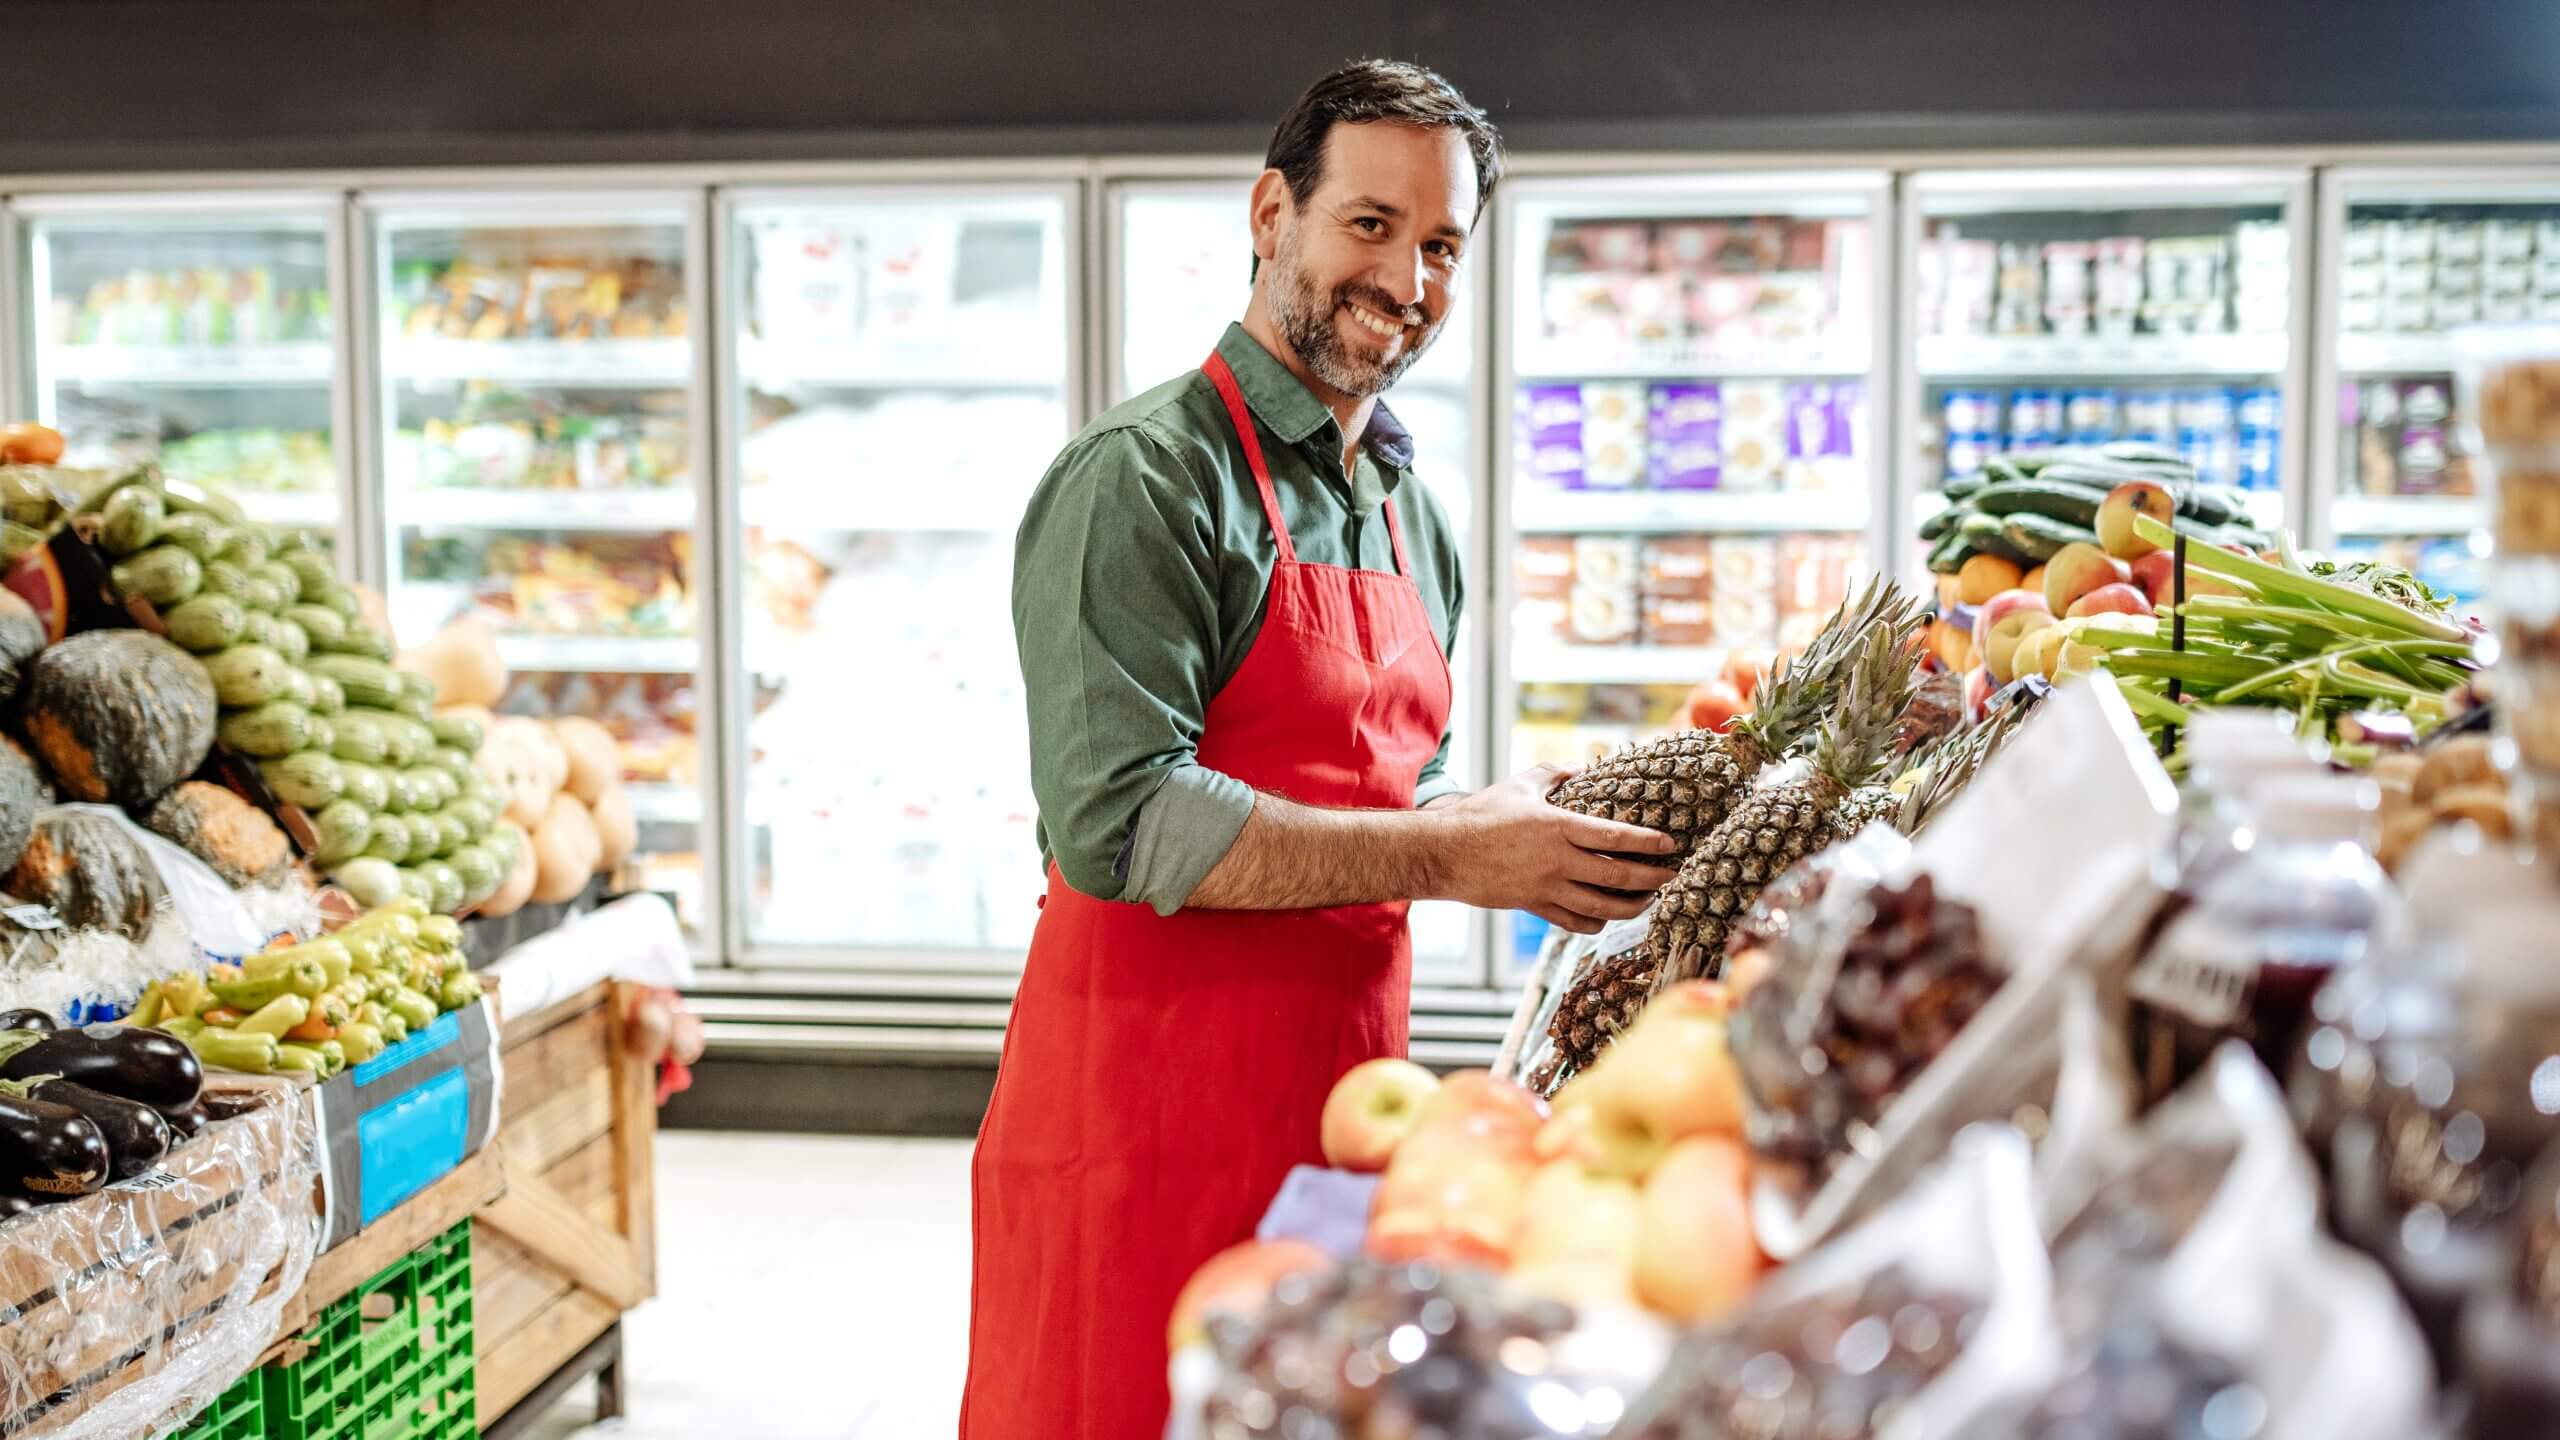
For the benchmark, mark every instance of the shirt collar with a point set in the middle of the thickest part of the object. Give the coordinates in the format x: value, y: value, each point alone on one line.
x: 1291, y: 412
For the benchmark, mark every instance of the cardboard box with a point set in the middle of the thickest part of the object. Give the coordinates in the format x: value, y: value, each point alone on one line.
x: 395, y: 1124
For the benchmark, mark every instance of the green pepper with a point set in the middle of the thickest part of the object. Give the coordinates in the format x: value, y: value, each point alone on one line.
x: 440, y: 932
x: 459, y: 990
x: 255, y: 1053
x: 302, y: 978
x: 360, y: 1041
x: 336, y: 1052
x: 185, y: 1027
x: 302, y: 1057
x: 413, y: 1007
x: 277, y: 1016
x: 147, y: 1010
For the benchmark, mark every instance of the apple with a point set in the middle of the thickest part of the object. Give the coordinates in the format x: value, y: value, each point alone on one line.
x: 2009, y: 617
x: 1984, y: 576
x: 2156, y: 576
x: 1978, y: 690
x: 2116, y: 514
x: 1744, y: 670
x: 1696, y: 1260
x: 1713, y: 706
x: 1373, y: 1107
x: 2075, y: 570
x: 1480, y: 1101
x: 1672, y: 1075
x: 2116, y: 599
x: 1570, y: 1216
x: 2040, y: 652
x: 1237, y: 1280
x: 1451, y: 1203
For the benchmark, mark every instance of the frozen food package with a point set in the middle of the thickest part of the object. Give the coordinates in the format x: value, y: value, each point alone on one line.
x: 1542, y: 566
x: 1752, y: 406
x: 1669, y: 620
x: 1585, y: 309
x: 1929, y: 1316
x: 1602, y: 615
x: 1746, y: 590
x: 1684, y: 424
x: 1679, y: 567
x: 1608, y: 561
x: 1752, y: 460
x: 1547, y: 426
x: 1614, y: 449
x: 1813, y: 574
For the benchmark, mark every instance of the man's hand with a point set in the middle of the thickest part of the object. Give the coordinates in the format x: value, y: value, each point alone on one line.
x: 1506, y: 848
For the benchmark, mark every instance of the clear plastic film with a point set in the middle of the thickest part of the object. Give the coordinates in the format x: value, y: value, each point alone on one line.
x: 130, y: 1310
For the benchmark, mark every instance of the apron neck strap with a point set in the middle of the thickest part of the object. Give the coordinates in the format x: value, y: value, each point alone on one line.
x: 1224, y: 378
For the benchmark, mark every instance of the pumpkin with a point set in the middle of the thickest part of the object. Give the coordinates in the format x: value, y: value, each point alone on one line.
x: 88, y: 869
x: 517, y: 887
x: 463, y: 662
x: 595, y: 761
x: 23, y: 792
x: 118, y: 715
x: 616, y: 827
x: 566, y: 849
x: 527, y: 765
x: 236, y: 838
x: 21, y: 636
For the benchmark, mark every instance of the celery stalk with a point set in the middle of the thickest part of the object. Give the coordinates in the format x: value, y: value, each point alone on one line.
x: 2279, y: 583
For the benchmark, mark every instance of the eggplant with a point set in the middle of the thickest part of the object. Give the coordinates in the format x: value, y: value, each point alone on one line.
x: 26, y: 1020
x: 136, y: 1134
x: 229, y: 1104
x: 151, y: 1066
x: 50, y: 1151
x: 186, y: 1122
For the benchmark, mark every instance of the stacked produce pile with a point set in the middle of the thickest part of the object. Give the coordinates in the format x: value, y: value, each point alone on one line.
x: 2023, y: 509
x: 82, y: 1108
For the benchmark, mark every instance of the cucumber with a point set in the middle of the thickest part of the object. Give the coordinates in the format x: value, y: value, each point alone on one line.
x: 2213, y: 505
x: 1997, y: 469
x: 389, y: 840
x: 1949, y: 554
x: 306, y: 779
x: 345, y: 828
x: 206, y: 623
x: 2041, y: 537
x: 367, y: 785
x: 1939, y: 524
x: 360, y: 738
x: 247, y: 675
x: 1976, y: 526
x: 163, y: 575
x: 196, y: 532
x: 326, y: 628
x: 326, y: 697
x: 132, y: 521
x: 315, y: 575
x: 270, y: 731
x: 367, y: 682
x: 1963, y: 485
x: 2041, y: 496
x: 247, y: 547
x: 459, y: 731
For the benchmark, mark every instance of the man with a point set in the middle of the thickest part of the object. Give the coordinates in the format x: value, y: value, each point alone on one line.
x: 1233, y: 606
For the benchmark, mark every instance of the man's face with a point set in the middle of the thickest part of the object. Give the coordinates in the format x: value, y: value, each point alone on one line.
x: 1360, y: 278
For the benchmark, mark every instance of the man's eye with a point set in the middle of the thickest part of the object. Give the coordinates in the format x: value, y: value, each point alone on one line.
x: 1370, y: 223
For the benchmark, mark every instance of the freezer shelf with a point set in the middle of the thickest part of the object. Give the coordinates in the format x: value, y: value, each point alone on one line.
x: 1682, y: 512
x: 1537, y: 663
x: 567, y: 511
x: 1955, y: 357
x: 659, y: 364
x: 301, y: 362
x: 1690, y: 361
x: 852, y: 365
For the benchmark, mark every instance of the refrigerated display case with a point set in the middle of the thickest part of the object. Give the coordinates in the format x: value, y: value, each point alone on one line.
x: 1691, y: 365
x: 2411, y: 258
x: 538, y: 457
x: 199, y: 331
x: 902, y: 370
x: 2053, y: 306
x: 1180, y: 271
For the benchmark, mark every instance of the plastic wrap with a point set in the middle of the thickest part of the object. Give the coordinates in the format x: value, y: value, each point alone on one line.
x: 131, y: 1309
x: 635, y: 938
x: 1927, y: 1316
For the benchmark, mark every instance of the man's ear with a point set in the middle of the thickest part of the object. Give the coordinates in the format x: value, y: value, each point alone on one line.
x: 1270, y: 197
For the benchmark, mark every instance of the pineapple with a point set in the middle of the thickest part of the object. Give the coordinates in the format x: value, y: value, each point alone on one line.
x: 1941, y: 774
x: 1603, y: 1002
x: 1772, y: 828
x: 1682, y: 784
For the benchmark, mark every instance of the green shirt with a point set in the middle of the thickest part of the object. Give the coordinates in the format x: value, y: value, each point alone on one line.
x: 1139, y: 578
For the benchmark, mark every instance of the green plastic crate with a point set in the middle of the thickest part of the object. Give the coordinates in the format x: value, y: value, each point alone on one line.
x: 240, y: 1414
x: 392, y: 1361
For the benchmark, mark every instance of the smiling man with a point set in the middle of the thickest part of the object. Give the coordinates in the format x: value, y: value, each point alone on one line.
x: 1233, y: 605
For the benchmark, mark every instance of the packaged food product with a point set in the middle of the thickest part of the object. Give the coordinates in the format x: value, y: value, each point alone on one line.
x: 1671, y: 621
x: 1542, y: 566
x: 1547, y: 424
x: 1684, y: 426
x: 1614, y: 449
x: 1679, y: 567
x: 1602, y: 615
x: 1813, y: 575
x: 1746, y: 588
x: 1605, y: 561
x: 1752, y: 459
x: 2506, y: 240
x: 1965, y: 453
x: 1970, y: 412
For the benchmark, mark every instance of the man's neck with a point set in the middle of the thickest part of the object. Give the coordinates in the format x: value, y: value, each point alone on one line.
x: 1351, y: 413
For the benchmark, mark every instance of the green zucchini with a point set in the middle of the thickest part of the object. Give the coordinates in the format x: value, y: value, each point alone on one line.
x: 132, y: 521
x: 188, y: 498
x: 314, y: 574
x: 367, y: 682
x: 326, y: 628
x: 291, y: 641
x: 260, y: 593
x: 222, y: 577
x: 198, y: 533
x: 270, y: 731
x: 247, y: 675
x: 298, y: 689
x: 345, y: 828
x: 389, y: 840
x: 361, y: 738
x: 2041, y: 537
x: 327, y: 698
x: 306, y: 779
x: 163, y: 575
x: 2041, y: 496
x: 462, y: 732
x: 247, y: 546
x: 206, y: 623
x: 367, y: 785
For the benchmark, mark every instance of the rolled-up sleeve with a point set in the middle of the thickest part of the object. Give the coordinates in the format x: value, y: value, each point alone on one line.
x: 1116, y: 622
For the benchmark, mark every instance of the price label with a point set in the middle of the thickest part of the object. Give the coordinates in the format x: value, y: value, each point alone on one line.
x: 152, y: 1180
x: 32, y: 917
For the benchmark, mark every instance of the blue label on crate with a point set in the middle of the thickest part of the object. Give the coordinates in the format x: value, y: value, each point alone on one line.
x: 410, y: 1142
x: 421, y: 1043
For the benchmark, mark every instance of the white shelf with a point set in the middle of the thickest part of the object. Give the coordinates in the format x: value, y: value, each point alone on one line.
x: 614, y: 364
x: 1684, y: 360
x: 854, y: 365
x: 645, y: 511
x: 1683, y: 512
x: 885, y: 509
x: 666, y: 804
x: 300, y: 362
x: 616, y: 654
x: 2396, y: 354
x: 2030, y: 356
x: 1535, y: 661
x: 304, y: 509
x: 2406, y: 514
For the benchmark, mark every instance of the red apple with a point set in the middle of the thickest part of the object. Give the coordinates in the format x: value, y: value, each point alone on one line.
x: 2075, y: 570
x: 1696, y: 1259
x: 2116, y: 599
x: 2156, y: 576
x: 1979, y: 687
x: 1744, y: 670
x: 1481, y: 1102
x: 2009, y: 618
x: 1237, y: 1280
x: 1670, y: 1076
x: 1453, y: 1203
x: 1713, y: 706
x: 2116, y: 513
x: 1372, y: 1108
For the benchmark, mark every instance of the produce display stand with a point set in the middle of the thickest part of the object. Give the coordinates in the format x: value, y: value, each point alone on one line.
x: 571, y: 1243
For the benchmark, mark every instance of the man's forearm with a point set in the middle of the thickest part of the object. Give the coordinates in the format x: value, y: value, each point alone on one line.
x: 1299, y: 857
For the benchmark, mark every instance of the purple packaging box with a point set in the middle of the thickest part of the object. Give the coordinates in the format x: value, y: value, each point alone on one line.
x: 1556, y: 465
x: 1684, y: 431
x: 1548, y: 431
x: 1690, y: 464
x: 1807, y: 407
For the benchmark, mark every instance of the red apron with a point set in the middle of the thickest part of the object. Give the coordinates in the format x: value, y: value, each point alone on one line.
x: 1162, y: 1073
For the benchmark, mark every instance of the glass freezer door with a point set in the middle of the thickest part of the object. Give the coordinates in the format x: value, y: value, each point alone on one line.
x: 1181, y: 272
x: 2090, y: 306
x: 903, y: 375
x: 1691, y: 475
x: 2413, y: 259
x: 195, y: 331
x: 537, y: 371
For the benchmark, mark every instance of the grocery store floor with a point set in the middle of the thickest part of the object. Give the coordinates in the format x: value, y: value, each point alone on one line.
x: 809, y: 1288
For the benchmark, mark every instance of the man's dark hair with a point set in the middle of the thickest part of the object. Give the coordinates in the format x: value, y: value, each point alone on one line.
x: 1365, y: 91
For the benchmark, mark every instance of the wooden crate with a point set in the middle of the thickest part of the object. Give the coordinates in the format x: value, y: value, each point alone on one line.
x: 572, y: 1243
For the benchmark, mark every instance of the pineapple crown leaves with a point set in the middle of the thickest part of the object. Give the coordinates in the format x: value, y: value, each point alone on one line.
x: 1950, y: 767
x: 1858, y: 734
x: 1792, y: 697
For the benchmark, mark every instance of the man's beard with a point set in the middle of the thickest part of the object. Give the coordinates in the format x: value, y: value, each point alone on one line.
x: 1306, y: 321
